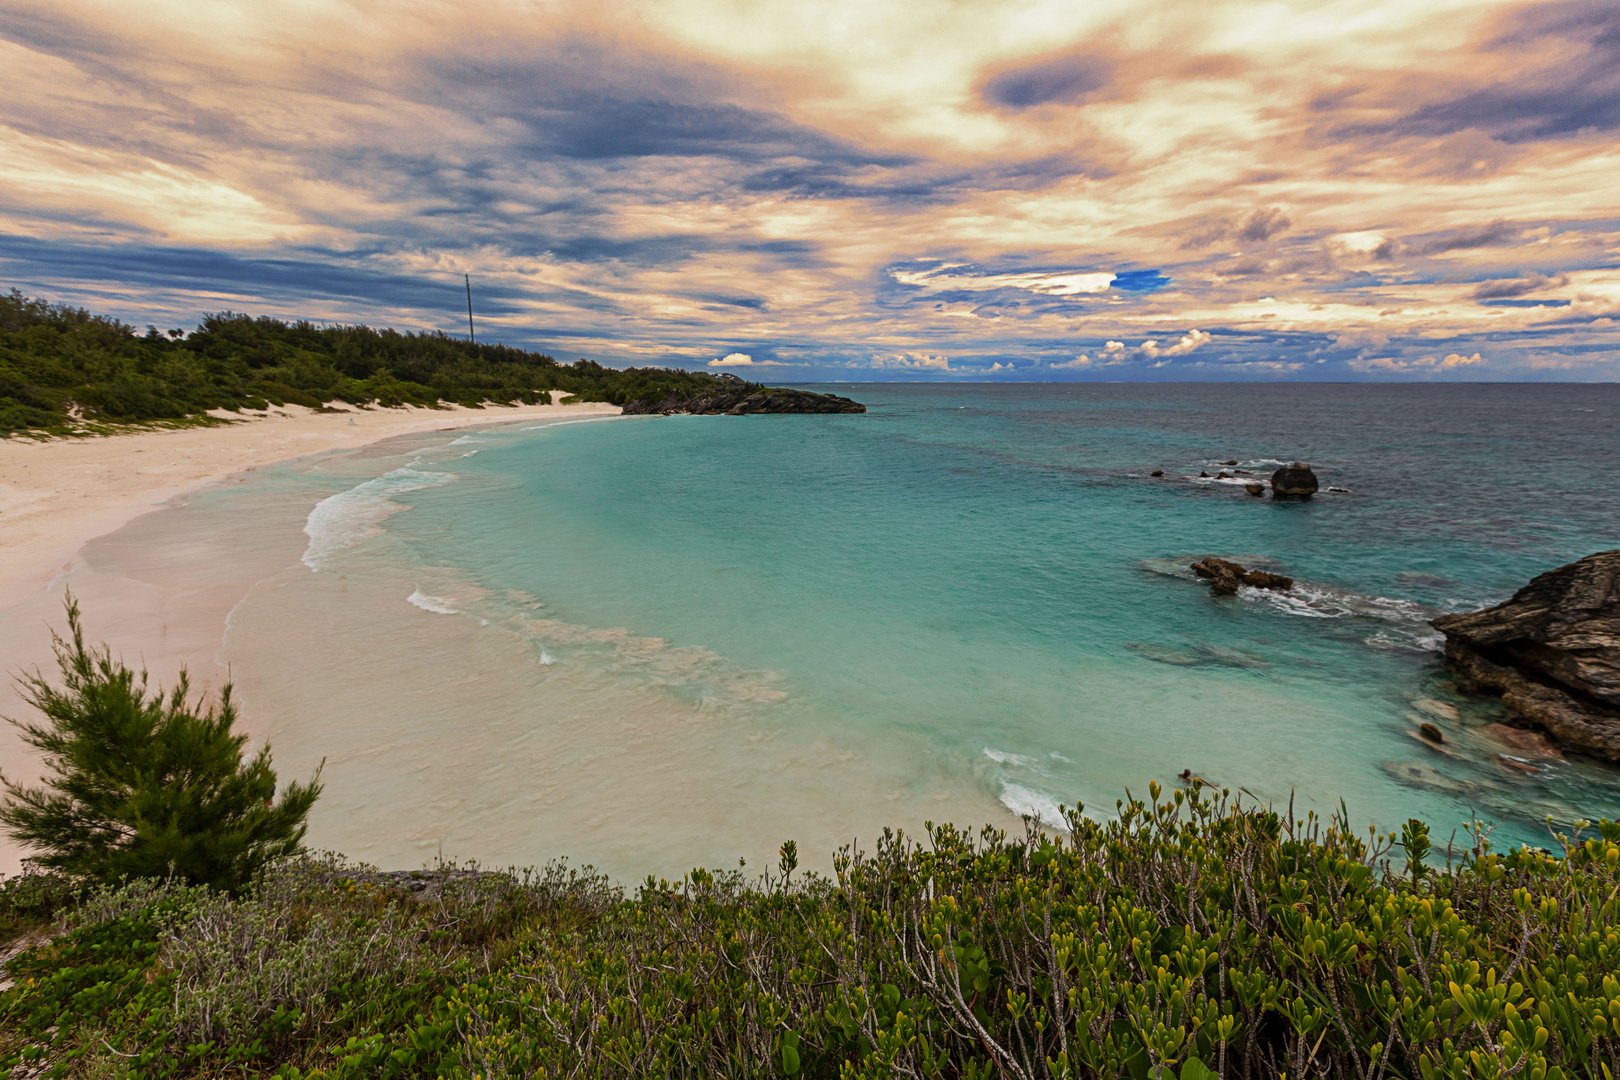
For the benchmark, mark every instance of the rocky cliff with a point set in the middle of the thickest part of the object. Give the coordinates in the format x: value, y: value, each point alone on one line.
x: 743, y: 400
x: 1552, y: 652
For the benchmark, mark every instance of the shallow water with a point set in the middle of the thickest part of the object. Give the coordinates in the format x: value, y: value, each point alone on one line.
x: 652, y: 642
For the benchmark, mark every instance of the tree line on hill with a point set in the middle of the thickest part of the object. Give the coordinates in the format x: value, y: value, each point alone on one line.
x: 63, y: 367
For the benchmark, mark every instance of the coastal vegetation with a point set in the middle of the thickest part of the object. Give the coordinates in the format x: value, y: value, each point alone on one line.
x: 143, y: 784
x: 1188, y: 937
x: 65, y: 369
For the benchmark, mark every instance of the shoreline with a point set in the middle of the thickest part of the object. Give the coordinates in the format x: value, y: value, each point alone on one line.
x: 71, y: 511
x: 57, y: 495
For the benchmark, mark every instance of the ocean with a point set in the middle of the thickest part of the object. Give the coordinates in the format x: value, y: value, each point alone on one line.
x: 650, y: 643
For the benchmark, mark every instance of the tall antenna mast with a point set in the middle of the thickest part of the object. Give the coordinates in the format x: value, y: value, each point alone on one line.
x: 470, y: 335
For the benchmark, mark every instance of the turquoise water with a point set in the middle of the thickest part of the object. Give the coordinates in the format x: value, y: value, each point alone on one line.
x: 989, y: 578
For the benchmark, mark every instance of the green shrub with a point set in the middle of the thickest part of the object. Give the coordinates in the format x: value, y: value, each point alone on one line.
x: 31, y: 900
x: 318, y: 966
x: 145, y: 784
x: 1186, y: 938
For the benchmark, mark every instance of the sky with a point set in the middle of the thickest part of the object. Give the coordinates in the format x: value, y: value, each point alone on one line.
x: 843, y: 189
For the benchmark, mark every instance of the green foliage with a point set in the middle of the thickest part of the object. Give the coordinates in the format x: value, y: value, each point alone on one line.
x: 319, y: 968
x: 65, y: 369
x: 31, y: 900
x: 144, y: 784
x: 1187, y: 939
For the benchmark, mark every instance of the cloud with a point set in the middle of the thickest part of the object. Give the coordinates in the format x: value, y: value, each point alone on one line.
x: 1531, y: 282
x: 1191, y: 340
x: 1393, y: 365
x: 853, y: 190
x: 1264, y: 224
x: 1492, y: 235
x: 735, y: 359
x: 1060, y: 79
x: 910, y: 362
x: 1050, y: 283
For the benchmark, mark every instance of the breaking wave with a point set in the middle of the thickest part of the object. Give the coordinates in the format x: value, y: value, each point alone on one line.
x: 351, y: 517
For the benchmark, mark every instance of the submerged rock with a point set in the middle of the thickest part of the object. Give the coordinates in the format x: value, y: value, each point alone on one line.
x: 1295, y: 481
x: 1552, y: 652
x: 1157, y: 472
x: 1225, y: 576
x: 1256, y: 490
x: 1522, y: 741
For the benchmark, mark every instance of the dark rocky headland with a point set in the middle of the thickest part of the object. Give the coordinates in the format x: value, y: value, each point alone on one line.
x: 745, y: 400
x: 1552, y: 652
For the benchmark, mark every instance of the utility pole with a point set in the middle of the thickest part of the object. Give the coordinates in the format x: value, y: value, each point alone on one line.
x: 470, y: 335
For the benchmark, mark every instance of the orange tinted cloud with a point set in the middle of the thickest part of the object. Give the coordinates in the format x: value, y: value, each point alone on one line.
x: 1393, y: 190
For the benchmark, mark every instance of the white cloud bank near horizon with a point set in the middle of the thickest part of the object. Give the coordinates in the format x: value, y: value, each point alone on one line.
x: 1402, y: 189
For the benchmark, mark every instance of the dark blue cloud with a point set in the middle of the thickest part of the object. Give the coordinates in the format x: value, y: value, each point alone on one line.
x: 1564, y: 60
x: 1062, y: 79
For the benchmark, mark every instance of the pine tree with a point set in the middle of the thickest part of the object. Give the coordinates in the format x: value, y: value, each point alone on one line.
x: 145, y: 784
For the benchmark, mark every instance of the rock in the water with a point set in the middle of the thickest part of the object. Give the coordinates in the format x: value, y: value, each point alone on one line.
x: 1262, y: 579
x: 1552, y: 652
x: 1441, y: 710
x: 1522, y: 741
x: 1223, y: 475
x: 1225, y: 576
x: 1157, y: 472
x: 1295, y: 481
x: 1432, y: 732
x: 1232, y: 462
x: 1204, y: 474
x: 1256, y: 490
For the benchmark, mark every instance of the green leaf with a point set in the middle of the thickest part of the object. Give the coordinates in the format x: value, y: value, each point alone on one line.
x: 1197, y: 1070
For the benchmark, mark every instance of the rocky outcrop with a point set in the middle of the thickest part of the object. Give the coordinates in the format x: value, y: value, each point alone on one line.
x: 1552, y: 652
x: 1295, y: 481
x: 746, y: 400
x: 1225, y: 576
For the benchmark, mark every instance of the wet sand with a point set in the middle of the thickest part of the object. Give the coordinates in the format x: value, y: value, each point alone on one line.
x: 71, y: 517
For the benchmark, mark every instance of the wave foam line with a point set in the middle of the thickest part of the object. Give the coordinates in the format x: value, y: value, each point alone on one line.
x: 436, y: 604
x: 581, y: 420
x: 341, y: 521
x: 1026, y: 802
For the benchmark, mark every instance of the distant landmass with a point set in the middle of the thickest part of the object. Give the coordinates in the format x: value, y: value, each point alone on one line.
x: 65, y: 369
x: 740, y: 399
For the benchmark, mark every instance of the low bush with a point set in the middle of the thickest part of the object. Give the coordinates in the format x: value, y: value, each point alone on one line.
x: 1187, y: 937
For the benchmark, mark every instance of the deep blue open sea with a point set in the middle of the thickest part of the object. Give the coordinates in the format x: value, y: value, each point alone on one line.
x: 649, y: 641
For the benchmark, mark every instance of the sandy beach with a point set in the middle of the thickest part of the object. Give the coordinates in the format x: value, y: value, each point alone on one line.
x: 57, y: 496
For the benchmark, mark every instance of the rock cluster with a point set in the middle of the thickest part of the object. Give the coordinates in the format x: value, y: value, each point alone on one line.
x: 1295, y: 481
x: 1225, y: 577
x: 749, y: 399
x: 1552, y: 652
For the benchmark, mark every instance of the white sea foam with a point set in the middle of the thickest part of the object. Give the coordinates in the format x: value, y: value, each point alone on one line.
x: 581, y: 420
x: 1024, y: 801
x: 546, y: 659
x: 431, y: 603
x: 351, y: 517
x: 1001, y: 757
x: 463, y: 440
x: 1325, y: 602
